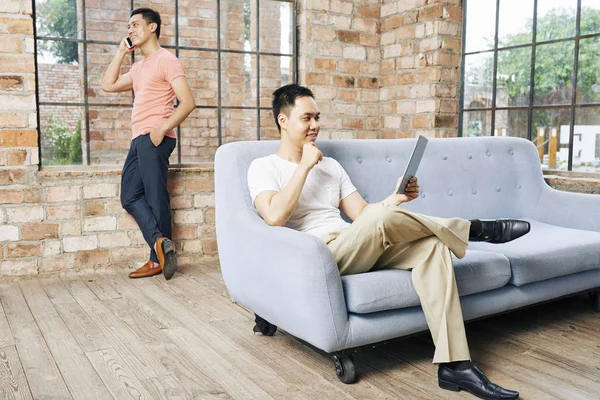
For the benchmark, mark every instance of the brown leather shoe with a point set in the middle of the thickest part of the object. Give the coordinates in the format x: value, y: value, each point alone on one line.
x: 165, y: 250
x: 145, y: 270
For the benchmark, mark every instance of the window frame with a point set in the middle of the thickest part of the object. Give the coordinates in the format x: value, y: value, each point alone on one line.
x: 573, y: 106
x: 219, y: 50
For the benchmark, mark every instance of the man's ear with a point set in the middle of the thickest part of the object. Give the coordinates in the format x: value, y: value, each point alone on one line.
x: 282, y: 118
x: 153, y: 26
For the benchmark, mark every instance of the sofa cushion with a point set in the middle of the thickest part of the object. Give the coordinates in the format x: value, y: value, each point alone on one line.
x: 389, y: 289
x: 548, y: 251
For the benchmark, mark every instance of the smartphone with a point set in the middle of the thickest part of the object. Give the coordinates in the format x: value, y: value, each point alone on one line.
x: 413, y: 163
x: 128, y: 43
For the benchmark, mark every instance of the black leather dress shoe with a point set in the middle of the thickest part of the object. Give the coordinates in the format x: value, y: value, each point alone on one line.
x: 502, y: 230
x: 473, y: 381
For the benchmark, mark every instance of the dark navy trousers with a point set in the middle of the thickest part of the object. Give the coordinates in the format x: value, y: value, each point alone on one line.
x: 144, y: 192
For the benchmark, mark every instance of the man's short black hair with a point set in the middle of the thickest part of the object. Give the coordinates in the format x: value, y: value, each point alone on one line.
x: 285, y: 97
x: 149, y: 16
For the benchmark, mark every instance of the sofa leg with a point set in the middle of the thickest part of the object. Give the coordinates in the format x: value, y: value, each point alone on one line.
x: 344, y: 367
x: 595, y: 297
x: 263, y: 326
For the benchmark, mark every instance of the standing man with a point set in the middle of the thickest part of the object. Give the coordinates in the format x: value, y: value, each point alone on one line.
x: 299, y: 188
x: 156, y: 81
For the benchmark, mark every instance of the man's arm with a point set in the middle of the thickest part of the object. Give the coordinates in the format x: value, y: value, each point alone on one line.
x: 111, y: 81
x: 354, y: 204
x: 183, y: 92
x: 277, y: 207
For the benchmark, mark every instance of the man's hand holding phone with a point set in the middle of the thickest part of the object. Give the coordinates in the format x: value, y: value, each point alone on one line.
x: 411, y: 192
x: 126, y: 46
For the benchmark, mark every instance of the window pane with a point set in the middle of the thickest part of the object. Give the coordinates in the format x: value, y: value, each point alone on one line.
x: 268, y: 128
x: 110, y: 134
x: 62, y: 131
x: 478, y: 80
x: 481, y: 25
x: 202, y: 72
x: 107, y: 20
x: 588, y: 74
x: 238, y: 125
x: 199, y: 137
x: 198, y: 23
x: 275, y: 27
x: 166, y: 9
x: 238, y: 25
x: 515, y: 22
x: 512, y: 123
x: 60, y: 81
x: 238, y: 79
x: 590, y: 16
x: 274, y: 73
x: 99, y: 57
x: 57, y: 18
x: 586, y: 140
x: 556, y: 19
x: 550, y: 132
x: 553, y: 70
x: 514, y: 74
x: 477, y: 123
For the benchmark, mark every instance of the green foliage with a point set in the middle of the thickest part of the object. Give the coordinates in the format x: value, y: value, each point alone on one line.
x: 58, y: 18
x: 61, y: 146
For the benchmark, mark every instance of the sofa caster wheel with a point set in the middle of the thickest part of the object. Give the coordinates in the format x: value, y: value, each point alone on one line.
x: 263, y: 326
x: 344, y: 368
x: 595, y: 297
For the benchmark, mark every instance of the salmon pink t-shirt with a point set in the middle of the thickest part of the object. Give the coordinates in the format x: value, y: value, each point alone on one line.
x: 154, y: 97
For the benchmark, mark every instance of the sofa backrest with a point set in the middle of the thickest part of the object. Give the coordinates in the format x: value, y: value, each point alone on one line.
x: 485, y: 177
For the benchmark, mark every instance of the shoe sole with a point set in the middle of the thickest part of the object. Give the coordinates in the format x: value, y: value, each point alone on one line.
x: 170, y: 265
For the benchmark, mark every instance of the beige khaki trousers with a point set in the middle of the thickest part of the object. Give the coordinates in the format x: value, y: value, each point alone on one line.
x: 392, y: 237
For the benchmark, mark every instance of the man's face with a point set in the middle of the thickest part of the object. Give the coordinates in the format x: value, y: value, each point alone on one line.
x: 138, y: 30
x: 302, y: 124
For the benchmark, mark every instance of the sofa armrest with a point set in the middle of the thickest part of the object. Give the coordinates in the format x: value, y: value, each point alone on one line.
x: 287, y: 277
x: 571, y: 210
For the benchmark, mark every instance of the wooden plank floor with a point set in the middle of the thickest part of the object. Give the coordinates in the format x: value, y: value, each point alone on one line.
x: 105, y: 336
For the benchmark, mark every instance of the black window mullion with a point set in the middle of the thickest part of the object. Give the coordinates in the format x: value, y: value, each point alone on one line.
x: 495, y: 69
x: 258, y: 69
x: 461, y: 85
x: 532, y: 72
x: 177, y: 54
x: 85, y: 86
x: 574, y: 79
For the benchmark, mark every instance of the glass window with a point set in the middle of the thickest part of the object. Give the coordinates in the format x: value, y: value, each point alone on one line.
x: 533, y: 94
x: 232, y: 73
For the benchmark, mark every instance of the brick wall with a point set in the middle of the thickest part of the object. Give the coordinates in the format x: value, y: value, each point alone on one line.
x: 339, y: 59
x: 420, y: 41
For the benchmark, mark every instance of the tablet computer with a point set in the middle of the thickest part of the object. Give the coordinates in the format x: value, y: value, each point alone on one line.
x: 413, y: 163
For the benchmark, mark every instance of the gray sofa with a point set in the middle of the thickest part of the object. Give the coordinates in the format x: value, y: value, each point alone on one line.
x: 290, y: 279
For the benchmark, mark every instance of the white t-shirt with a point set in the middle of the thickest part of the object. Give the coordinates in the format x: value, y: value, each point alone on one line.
x: 326, y: 185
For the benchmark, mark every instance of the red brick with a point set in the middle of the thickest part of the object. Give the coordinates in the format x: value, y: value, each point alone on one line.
x: 18, y: 63
x: 16, y: 26
x: 13, y: 120
x: 11, y: 197
x: 354, y: 123
x: 421, y: 121
x: 23, y: 249
x: 11, y: 82
x: 317, y: 78
x: 348, y: 36
x: 209, y: 246
x: 368, y: 11
x: 209, y: 216
x: 199, y: 185
x: 343, y: 81
x: 324, y: 64
x: 368, y: 82
x: 32, y: 195
x: 446, y: 121
x: 17, y: 157
x: 349, y: 67
x: 392, y: 22
x: 184, y: 232
x: 18, y: 138
x: 13, y: 176
x: 40, y: 231
x: 92, y: 258
x: 93, y: 208
x: 430, y: 13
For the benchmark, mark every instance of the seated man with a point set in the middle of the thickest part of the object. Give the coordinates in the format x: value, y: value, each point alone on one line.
x: 299, y: 188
